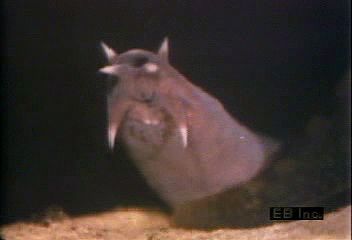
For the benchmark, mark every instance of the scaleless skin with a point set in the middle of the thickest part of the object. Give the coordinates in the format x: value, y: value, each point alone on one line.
x: 212, y: 170
x: 181, y: 138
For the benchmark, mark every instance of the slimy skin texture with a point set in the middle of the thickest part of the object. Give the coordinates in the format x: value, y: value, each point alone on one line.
x: 208, y: 167
x: 181, y: 138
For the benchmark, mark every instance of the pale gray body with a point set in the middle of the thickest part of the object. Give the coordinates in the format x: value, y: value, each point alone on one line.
x: 216, y: 152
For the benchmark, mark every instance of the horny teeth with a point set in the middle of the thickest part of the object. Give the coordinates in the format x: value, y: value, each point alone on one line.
x: 184, y: 135
x: 150, y: 122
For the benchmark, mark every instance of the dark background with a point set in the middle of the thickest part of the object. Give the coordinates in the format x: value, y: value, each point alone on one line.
x: 273, y: 64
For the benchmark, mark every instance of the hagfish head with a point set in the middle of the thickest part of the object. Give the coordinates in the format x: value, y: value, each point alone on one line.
x: 134, y: 77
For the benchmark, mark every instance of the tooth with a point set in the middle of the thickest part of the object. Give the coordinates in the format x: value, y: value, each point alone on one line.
x: 184, y: 135
x: 147, y: 121
x: 112, y: 135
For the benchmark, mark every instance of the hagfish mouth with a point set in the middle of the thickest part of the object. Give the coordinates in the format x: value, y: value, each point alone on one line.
x: 143, y: 124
